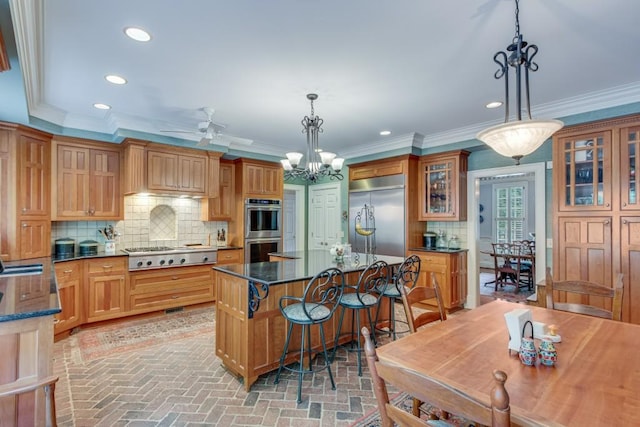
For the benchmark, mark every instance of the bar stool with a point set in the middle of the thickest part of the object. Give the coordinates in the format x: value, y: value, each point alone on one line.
x: 363, y: 297
x: 406, y: 276
x: 316, y: 306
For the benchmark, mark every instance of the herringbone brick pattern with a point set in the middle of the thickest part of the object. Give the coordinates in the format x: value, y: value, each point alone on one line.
x: 182, y: 383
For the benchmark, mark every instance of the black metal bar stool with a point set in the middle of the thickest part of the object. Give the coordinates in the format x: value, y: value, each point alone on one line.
x: 407, y: 276
x: 363, y: 297
x: 314, y: 307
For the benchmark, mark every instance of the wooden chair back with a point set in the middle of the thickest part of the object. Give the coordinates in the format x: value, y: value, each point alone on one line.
x: 587, y: 290
x: 419, y: 294
x: 430, y: 390
x: 48, y: 385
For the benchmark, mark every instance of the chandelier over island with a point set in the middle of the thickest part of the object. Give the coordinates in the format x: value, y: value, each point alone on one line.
x: 519, y: 137
x: 319, y: 163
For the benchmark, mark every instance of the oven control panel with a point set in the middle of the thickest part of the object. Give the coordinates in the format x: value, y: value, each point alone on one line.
x: 167, y: 260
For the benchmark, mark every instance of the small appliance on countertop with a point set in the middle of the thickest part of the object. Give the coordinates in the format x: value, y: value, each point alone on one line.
x: 88, y: 248
x: 429, y: 240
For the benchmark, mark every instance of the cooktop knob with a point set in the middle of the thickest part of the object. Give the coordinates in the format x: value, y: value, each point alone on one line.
x: 139, y: 264
x: 149, y: 262
x: 162, y: 262
x: 182, y: 261
x: 205, y: 258
x: 170, y: 261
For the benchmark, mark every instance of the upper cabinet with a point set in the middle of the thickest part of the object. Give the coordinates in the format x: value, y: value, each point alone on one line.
x: 162, y: 169
x: 376, y: 168
x: 4, y: 58
x: 443, y: 186
x: 221, y: 208
x: 585, y: 160
x: 261, y: 179
x: 25, y: 179
x: 88, y: 180
x: 629, y: 151
x: 180, y: 173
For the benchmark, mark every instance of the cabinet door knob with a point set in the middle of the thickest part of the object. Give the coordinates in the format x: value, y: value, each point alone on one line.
x: 24, y: 225
x: 624, y: 221
x: 607, y: 205
x: 606, y: 222
x: 67, y: 271
x: 24, y: 210
x: 623, y: 204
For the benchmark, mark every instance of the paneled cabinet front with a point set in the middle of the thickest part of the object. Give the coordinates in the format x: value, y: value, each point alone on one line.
x: 105, y: 288
x: 25, y: 182
x: 88, y: 182
x: 262, y: 180
x: 450, y: 270
x: 69, y: 280
x: 221, y: 208
x: 172, y: 287
x: 176, y: 173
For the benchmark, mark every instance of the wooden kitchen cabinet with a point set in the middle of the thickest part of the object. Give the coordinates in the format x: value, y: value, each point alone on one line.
x: 443, y: 186
x: 177, y: 173
x: 153, y: 290
x: 88, y: 180
x: 105, y: 288
x: 377, y: 168
x: 25, y: 180
x: 221, y: 207
x: 595, y: 225
x: 450, y: 269
x: 261, y: 179
x: 69, y: 281
x: 226, y: 257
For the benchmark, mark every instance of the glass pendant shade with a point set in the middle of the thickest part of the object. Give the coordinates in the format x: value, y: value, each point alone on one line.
x: 337, y: 163
x: 286, y: 164
x: 519, y: 138
x: 294, y: 159
x: 326, y: 157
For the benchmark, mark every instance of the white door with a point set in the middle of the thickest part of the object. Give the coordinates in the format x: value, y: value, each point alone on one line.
x: 289, y: 221
x: 324, y: 216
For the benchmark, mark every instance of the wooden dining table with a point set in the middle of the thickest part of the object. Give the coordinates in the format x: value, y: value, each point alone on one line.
x: 595, y: 382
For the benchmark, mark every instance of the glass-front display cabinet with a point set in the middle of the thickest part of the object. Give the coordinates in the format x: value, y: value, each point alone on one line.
x: 443, y: 184
x: 586, y: 168
x: 629, y: 150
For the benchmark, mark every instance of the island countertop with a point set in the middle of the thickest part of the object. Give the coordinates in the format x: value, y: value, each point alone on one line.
x: 301, y: 265
x: 25, y: 296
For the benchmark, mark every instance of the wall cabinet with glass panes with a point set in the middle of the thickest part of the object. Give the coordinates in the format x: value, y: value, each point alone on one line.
x: 596, y: 224
x: 443, y: 186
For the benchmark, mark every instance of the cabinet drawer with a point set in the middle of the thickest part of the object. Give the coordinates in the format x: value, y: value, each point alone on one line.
x: 430, y: 258
x: 230, y: 256
x: 68, y: 270
x: 106, y: 265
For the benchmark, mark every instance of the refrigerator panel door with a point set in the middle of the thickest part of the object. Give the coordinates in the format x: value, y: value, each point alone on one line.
x: 390, y: 227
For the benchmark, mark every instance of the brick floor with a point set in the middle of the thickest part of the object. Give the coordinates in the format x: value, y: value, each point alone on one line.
x: 182, y: 383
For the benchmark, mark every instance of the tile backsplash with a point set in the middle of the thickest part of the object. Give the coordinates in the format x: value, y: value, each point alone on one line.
x: 451, y: 228
x: 148, y: 221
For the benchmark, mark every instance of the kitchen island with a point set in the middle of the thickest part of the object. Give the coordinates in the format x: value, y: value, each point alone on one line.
x: 28, y: 301
x: 250, y: 330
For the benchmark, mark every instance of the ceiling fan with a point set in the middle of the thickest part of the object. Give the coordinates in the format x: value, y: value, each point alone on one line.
x: 212, y: 132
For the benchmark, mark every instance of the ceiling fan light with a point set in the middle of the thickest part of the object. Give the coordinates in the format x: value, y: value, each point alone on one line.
x: 286, y: 164
x: 337, y: 163
x: 519, y: 138
x: 294, y: 158
x: 327, y: 157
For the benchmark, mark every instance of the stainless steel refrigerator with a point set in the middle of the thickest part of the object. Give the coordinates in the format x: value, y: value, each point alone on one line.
x: 386, y: 195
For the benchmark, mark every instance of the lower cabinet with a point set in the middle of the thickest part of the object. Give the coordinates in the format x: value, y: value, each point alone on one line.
x: 106, y: 287
x: 227, y: 257
x: 69, y: 279
x: 160, y: 289
x: 450, y: 269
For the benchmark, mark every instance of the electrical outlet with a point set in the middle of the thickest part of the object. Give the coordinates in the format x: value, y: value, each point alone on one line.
x: 341, y: 234
x: 549, y: 164
x: 549, y: 243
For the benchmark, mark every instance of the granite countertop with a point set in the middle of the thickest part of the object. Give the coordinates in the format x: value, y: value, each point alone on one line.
x: 223, y: 248
x: 302, y: 265
x: 26, y: 296
x: 442, y: 251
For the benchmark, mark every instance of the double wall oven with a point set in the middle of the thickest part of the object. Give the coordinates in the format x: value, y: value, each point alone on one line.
x: 263, y: 229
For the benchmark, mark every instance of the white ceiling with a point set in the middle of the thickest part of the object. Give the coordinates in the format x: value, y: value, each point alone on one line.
x: 409, y: 66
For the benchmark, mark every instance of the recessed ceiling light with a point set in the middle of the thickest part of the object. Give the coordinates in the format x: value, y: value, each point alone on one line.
x: 101, y: 106
x: 494, y: 104
x: 137, y: 34
x: 116, y: 80
x: 385, y: 132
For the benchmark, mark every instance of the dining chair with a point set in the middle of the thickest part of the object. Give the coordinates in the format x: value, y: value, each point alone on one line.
x: 406, y: 276
x: 496, y: 413
x: 48, y: 385
x: 359, y: 297
x: 508, y: 265
x: 586, y: 290
x: 416, y: 319
x: 315, y: 307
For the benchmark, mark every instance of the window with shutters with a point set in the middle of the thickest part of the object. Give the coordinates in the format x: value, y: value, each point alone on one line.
x: 510, y: 209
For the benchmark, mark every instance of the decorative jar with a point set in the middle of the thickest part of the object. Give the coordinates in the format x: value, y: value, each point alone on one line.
x: 548, y: 353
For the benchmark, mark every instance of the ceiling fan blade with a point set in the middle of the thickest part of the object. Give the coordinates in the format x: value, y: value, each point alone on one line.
x: 203, y: 142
